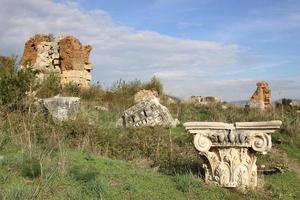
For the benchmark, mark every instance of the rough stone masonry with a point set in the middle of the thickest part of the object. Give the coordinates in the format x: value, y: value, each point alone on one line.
x: 262, y: 97
x: 63, y: 55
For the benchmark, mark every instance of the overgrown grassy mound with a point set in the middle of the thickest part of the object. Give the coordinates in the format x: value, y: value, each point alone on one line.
x: 89, y: 158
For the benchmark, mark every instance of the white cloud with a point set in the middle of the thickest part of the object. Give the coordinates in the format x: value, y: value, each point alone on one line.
x: 120, y: 51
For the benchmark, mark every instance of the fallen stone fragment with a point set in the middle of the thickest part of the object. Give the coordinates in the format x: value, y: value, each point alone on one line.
x: 147, y: 113
x: 60, y: 108
x: 101, y: 108
x: 144, y: 95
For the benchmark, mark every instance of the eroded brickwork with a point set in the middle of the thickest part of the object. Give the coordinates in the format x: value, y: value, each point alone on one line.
x: 64, y: 55
x: 262, y: 97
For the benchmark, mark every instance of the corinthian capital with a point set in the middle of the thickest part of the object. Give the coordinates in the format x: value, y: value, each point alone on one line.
x: 230, y: 149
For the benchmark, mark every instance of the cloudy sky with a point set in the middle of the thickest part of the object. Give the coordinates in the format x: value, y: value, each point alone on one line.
x: 196, y: 47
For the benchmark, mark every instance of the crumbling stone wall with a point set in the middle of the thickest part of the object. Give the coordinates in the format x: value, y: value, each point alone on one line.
x: 71, y: 52
x: 86, y: 57
x: 262, y: 97
x: 47, y: 60
x: 31, y: 48
x: 65, y: 56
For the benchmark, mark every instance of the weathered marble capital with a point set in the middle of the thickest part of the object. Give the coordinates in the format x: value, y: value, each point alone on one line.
x: 230, y: 149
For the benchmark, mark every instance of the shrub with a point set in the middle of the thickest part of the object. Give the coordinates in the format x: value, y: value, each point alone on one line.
x: 14, y: 84
x: 49, y: 87
x: 120, y: 95
x: 154, y: 84
x: 93, y: 93
x: 71, y: 89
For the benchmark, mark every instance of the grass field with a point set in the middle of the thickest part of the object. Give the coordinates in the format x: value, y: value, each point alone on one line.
x: 89, y: 158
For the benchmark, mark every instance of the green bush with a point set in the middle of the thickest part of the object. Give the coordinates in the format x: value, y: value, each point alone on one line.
x: 14, y: 84
x: 49, y: 87
x: 120, y: 95
x: 154, y: 84
x: 93, y: 93
x: 71, y: 89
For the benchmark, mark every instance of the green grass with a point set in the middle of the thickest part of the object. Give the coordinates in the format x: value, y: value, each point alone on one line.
x: 74, y: 174
x: 283, y: 186
x: 89, y: 158
x: 292, y: 150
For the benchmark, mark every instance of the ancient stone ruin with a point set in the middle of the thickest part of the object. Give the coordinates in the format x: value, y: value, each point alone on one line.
x: 262, y: 97
x: 147, y: 112
x: 204, y: 100
x: 231, y: 149
x: 64, y: 56
x: 60, y: 108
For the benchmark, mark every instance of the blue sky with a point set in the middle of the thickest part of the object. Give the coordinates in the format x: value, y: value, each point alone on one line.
x: 197, y: 47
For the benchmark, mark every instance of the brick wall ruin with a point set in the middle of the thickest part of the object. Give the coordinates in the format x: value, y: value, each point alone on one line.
x: 262, y: 97
x: 65, y: 56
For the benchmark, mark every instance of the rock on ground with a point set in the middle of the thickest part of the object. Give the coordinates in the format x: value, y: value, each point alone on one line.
x: 144, y: 95
x: 60, y: 108
x: 147, y: 113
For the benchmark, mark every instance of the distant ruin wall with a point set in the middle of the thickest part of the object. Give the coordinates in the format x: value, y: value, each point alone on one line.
x: 262, y: 97
x: 65, y: 56
x: 204, y: 100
